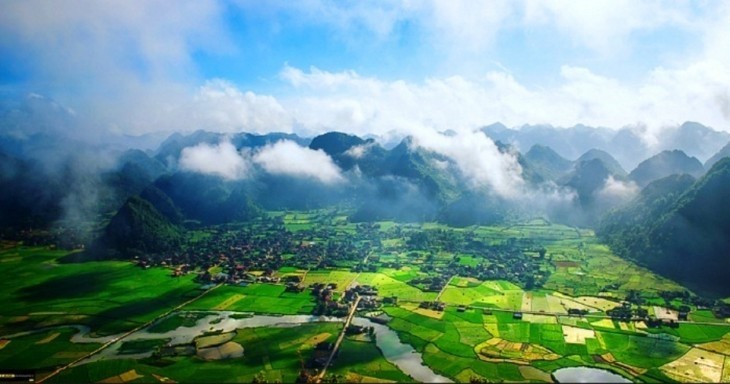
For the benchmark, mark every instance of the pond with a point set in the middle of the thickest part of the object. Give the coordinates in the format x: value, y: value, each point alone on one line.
x: 587, y: 375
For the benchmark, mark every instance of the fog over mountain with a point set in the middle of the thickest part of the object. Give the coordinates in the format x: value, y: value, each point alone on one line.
x: 210, y: 122
x: 325, y: 191
x: 441, y: 169
x: 628, y: 145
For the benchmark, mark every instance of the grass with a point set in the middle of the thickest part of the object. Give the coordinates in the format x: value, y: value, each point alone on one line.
x: 274, y: 353
x: 642, y: 351
x: 696, y: 333
x: 452, y: 366
x: 705, y: 316
x: 27, y: 352
x: 175, y: 321
x: 112, y: 296
x: 599, y: 267
x: 389, y: 286
x: 340, y: 277
x: 257, y: 298
x: 141, y: 346
x: 364, y: 359
x: 475, y: 295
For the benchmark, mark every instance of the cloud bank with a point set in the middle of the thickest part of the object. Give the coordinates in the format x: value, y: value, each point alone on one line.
x: 480, y: 161
x: 136, y: 67
x: 220, y: 160
x: 281, y: 158
x: 288, y: 158
x: 667, y: 97
x: 618, y: 191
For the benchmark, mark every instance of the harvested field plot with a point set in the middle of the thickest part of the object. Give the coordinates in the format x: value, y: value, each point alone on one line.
x: 534, y: 374
x: 213, y: 340
x: 225, y: 304
x: 696, y: 366
x: 123, y: 378
x: 721, y: 346
x: 47, y: 340
x: 228, y: 350
x: 576, y: 335
x: 520, y: 353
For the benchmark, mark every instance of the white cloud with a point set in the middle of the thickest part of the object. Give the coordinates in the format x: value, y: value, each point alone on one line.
x: 474, y: 24
x: 479, y: 159
x: 618, y: 190
x: 358, y: 151
x: 605, y: 26
x: 349, y: 18
x: 139, y: 59
x: 463, y: 28
x: 113, y: 41
x: 220, y: 106
x: 220, y: 160
x: 353, y: 103
x: 125, y: 66
x: 288, y: 158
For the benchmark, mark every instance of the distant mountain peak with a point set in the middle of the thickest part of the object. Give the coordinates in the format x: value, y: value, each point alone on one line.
x: 611, y: 164
x: 723, y: 152
x: 335, y: 143
x: 546, y: 162
x: 666, y: 163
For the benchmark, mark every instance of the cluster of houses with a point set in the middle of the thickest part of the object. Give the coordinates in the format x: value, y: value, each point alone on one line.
x: 433, y: 284
x: 434, y: 305
x: 511, y: 260
x: 267, y: 246
x: 327, y: 305
x: 721, y: 310
x: 294, y: 284
x: 662, y: 317
x: 368, y: 296
x: 60, y: 237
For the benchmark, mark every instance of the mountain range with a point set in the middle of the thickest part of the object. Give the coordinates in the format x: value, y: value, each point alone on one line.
x: 655, y: 214
x: 678, y: 226
x: 629, y: 145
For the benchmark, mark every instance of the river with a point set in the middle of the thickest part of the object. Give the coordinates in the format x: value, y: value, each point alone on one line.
x: 401, y: 355
x: 394, y: 351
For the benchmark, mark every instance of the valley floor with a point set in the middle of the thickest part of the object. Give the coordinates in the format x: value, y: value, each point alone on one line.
x: 112, y: 321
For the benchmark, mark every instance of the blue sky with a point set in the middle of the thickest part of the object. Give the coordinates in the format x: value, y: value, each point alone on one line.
x: 370, y: 66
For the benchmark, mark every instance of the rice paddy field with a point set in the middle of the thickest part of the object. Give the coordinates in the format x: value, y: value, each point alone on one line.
x: 492, y: 330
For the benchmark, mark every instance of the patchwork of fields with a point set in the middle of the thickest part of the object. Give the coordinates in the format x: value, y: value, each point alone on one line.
x: 492, y: 330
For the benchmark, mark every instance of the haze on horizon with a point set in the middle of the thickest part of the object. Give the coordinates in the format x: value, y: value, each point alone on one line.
x: 385, y: 68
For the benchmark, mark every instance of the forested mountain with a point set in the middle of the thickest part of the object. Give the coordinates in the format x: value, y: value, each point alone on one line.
x: 664, y: 164
x: 611, y: 164
x: 139, y: 228
x: 585, y: 182
x: 548, y: 163
x: 152, y: 197
x: 30, y: 197
x: 204, y: 198
x: 724, y: 152
x: 679, y: 229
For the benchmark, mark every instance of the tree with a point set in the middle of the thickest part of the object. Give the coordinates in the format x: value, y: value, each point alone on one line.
x: 259, y: 379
